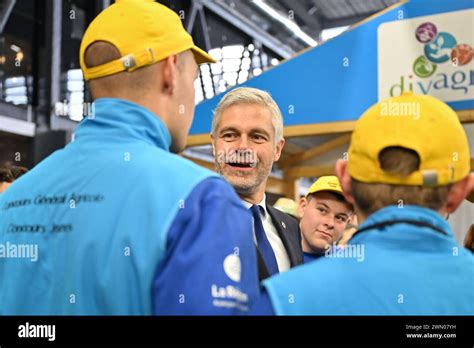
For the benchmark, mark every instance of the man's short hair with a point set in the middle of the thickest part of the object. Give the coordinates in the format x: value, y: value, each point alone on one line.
x: 253, y: 96
x: 371, y: 197
x: 9, y: 173
x: 102, y: 52
x: 6, y: 175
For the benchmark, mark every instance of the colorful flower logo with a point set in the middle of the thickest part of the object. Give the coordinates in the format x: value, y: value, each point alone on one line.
x: 423, y: 67
x: 426, y: 32
x: 439, y: 51
x: 462, y: 54
x: 438, y: 48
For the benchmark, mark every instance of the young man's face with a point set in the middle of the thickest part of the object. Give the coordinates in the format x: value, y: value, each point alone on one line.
x: 323, y: 220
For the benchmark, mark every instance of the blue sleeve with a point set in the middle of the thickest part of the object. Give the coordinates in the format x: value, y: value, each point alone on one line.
x: 210, y: 263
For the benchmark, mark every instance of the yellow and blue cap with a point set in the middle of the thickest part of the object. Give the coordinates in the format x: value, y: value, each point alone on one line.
x: 143, y: 31
x: 420, y: 123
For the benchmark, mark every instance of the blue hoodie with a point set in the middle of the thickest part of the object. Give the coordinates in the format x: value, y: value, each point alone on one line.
x: 122, y: 226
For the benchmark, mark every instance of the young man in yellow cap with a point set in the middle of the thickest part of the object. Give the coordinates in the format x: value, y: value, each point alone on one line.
x: 324, y: 214
x: 408, y: 168
x: 122, y: 225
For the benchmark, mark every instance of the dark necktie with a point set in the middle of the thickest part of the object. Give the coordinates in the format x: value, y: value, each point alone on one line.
x: 263, y: 243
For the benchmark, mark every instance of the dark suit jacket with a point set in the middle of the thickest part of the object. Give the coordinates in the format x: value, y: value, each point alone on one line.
x: 289, y: 231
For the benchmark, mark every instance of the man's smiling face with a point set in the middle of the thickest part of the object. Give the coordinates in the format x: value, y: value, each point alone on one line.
x: 244, y: 146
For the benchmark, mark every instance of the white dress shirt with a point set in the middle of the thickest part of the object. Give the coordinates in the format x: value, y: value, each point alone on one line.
x: 283, y: 260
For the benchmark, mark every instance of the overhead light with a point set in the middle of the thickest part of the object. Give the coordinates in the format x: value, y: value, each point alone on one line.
x: 19, y: 56
x: 75, y: 74
x: 234, y: 51
x: 15, y: 48
x: 293, y: 27
x: 216, y: 53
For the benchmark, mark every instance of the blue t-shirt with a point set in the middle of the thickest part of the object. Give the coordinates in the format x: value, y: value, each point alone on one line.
x: 309, y: 257
x: 122, y: 226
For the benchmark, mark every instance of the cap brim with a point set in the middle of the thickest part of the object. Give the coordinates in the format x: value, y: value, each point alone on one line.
x: 325, y: 189
x: 201, y: 56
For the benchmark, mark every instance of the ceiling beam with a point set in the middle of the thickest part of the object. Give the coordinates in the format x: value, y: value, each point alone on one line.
x: 5, y: 13
x: 290, y: 149
x: 248, y: 27
x: 311, y: 21
x: 191, y: 17
x: 309, y: 171
x: 315, y: 151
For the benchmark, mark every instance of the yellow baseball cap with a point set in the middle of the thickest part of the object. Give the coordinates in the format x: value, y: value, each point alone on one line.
x: 143, y: 31
x: 421, y: 123
x: 325, y: 183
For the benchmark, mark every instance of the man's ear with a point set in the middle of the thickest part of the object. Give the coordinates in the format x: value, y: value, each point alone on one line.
x: 169, y: 74
x: 279, y: 149
x: 213, y: 146
x: 345, y: 179
x: 458, y: 192
x: 349, y: 220
x: 302, y: 206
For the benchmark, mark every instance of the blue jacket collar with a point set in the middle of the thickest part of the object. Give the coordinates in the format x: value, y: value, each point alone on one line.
x: 408, y: 212
x: 122, y: 119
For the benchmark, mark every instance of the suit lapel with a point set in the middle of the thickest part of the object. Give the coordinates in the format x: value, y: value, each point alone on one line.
x: 281, y: 226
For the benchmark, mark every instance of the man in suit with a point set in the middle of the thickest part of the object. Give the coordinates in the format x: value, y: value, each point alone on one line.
x: 247, y: 138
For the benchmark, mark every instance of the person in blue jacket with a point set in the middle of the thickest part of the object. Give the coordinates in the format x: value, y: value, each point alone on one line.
x: 115, y: 223
x: 408, y: 169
